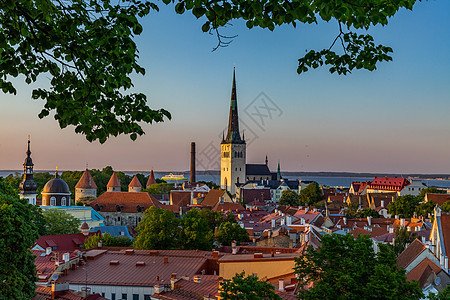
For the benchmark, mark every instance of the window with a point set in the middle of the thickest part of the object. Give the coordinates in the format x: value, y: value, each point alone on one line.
x: 118, y: 219
x: 147, y: 297
x: 52, y: 201
x: 63, y: 201
x: 103, y: 294
x: 124, y: 296
x: 113, y: 296
x: 135, y: 296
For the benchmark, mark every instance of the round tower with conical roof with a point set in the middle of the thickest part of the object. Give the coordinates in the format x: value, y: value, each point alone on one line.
x: 135, y: 185
x: 86, y: 189
x: 28, y: 186
x: 151, y: 180
x: 113, y: 183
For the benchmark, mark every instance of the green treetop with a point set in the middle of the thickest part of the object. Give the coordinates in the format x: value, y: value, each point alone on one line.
x: 289, y: 197
x: 242, y: 287
x: 311, y: 194
x: 60, y: 222
x: 348, y: 268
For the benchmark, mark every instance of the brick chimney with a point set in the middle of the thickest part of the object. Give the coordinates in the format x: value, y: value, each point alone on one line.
x: 281, y: 285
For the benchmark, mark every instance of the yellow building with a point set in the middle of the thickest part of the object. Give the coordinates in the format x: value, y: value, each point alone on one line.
x: 258, y: 264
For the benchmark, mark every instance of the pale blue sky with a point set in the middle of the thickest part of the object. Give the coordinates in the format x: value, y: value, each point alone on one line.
x: 394, y: 119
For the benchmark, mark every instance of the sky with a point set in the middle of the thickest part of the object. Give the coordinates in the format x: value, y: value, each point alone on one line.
x: 394, y: 119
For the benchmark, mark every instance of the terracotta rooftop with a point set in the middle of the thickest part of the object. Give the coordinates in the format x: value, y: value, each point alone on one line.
x: 250, y: 195
x: 213, y: 197
x: 227, y: 206
x: 151, y: 179
x: 155, y: 267
x: 63, y: 242
x: 410, y: 253
x: 135, y: 182
x: 445, y: 225
x: 86, y: 181
x: 124, y: 201
x: 188, y: 289
x: 418, y: 272
x: 180, y: 198
x: 113, y: 181
x: 438, y: 198
x: 388, y: 183
x: 264, y: 257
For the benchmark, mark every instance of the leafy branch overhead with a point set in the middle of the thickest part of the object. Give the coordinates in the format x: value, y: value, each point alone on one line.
x: 86, y: 48
x: 358, y: 51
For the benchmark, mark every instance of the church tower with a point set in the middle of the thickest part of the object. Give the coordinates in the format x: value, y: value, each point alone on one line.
x: 232, y: 149
x: 28, y: 186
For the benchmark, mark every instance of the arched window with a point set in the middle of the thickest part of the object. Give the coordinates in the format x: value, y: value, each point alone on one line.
x: 52, y: 201
x: 237, y: 180
x: 226, y: 183
x: 63, y: 201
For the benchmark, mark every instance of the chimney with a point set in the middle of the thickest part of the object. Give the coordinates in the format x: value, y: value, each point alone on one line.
x: 281, y: 285
x: 273, y: 223
x: 233, y: 247
x: 85, y: 291
x: 197, y: 279
x: 423, y: 240
x: 306, y: 210
x: 192, y: 175
x: 158, y: 289
x: 215, y: 254
x: 345, y: 221
x: 382, y: 203
x: 446, y: 264
x: 402, y: 222
x: 369, y: 220
x: 166, y: 260
x: 48, y: 250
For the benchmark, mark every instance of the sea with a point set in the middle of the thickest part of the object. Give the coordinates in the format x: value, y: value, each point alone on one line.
x: 214, y: 176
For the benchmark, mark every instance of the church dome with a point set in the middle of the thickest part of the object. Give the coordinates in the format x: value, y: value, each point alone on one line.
x: 56, y: 186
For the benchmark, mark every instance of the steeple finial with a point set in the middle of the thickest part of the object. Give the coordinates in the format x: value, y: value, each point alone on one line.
x: 267, y: 161
x: 56, y: 172
x: 28, y: 151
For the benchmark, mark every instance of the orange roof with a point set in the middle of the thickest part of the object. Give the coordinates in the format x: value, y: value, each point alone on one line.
x: 388, y: 183
x: 113, y: 181
x: 135, y: 182
x: 45, y: 293
x: 212, y: 198
x: 126, y: 201
x: 151, y: 179
x: 86, y: 181
x: 410, y: 253
x: 180, y: 198
x: 438, y: 198
x: 418, y: 272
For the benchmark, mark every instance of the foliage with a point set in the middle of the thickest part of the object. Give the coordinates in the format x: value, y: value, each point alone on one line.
x: 19, y: 223
x: 442, y: 295
x: 242, y: 287
x: 403, y: 206
x: 289, y: 197
x: 229, y: 232
x: 60, y: 222
x: 352, y: 213
x: 446, y: 207
x: 212, y: 185
x: 107, y: 241
x: 195, y: 233
x: 86, y: 49
x: 348, y: 268
x: 160, y: 188
x: 311, y: 194
x: 429, y: 190
x: 403, y: 238
x: 425, y: 208
x: 215, y: 218
x: 157, y: 230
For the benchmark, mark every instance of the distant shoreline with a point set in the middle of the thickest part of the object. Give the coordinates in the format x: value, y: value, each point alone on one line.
x: 287, y: 174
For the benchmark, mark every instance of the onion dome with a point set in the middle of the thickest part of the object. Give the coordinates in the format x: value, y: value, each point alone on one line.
x: 135, y: 182
x: 113, y: 181
x: 151, y: 179
x: 86, y: 181
x: 56, y: 186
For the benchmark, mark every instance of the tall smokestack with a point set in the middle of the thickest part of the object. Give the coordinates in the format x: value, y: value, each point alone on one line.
x: 192, y: 177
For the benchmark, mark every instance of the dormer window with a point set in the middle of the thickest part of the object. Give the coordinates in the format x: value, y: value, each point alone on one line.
x: 118, y: 208
x: 139, y: 208
x: 97, y: 207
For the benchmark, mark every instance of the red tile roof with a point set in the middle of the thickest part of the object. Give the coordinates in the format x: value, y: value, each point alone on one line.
x: 151, y: 179
x: 63, y: 242
x: 113, y: 181
x: 251, y: 195
x: 180, y: 198
x: 135, y: 182
x: 153, y: 269
x: 438, y: 198
x: 388, y: 183
x: 227, y: 206
x: 410, y: 253
x: 445, y: 225
x: 213, y: 197
x: 418, y: 272
x: 126, y: 201
x: 86, y: 181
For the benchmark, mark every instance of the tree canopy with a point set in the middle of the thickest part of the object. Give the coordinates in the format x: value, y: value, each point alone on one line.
x: 60, y: 222
x: 107, y: 241
x: 289, y: 197
x: 242, y: 287
x: 348, y: 268
x: 157, y: 230
x: 404, y: 206
x: 311, y: 194
x: 229, y: 232
x: 87, y: 51
x: 19, y: 229
x: 403, y: 238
